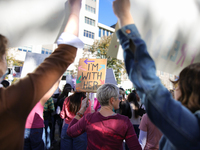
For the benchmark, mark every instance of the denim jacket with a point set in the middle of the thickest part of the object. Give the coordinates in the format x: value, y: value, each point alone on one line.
x: 180, y: 127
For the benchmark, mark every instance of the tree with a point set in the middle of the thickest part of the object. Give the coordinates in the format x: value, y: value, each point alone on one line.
x: 99, y: 50
x: 10, y: 57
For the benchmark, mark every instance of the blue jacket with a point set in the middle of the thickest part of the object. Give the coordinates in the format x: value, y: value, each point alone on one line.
x: 180, y: 127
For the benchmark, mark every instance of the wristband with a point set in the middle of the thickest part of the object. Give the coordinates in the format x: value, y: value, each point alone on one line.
x: 79, y: 114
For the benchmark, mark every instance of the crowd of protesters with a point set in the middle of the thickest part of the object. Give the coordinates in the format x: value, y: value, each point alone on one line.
x: 150, y: 117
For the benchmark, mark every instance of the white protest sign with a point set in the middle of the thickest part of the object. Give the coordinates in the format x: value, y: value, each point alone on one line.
x: 171, y: 31
x: 33, y: 22
x: 32, y: 61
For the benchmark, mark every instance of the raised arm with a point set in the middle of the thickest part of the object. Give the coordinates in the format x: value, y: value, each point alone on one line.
x: 121, y: 9
x: 166, y: 113
x: 21, y: 97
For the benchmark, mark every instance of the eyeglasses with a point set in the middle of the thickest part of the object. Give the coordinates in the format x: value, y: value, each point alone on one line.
x: 176, y: 85
x: 120, y: 97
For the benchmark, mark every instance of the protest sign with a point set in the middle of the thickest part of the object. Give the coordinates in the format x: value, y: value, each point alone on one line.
x: 171, y: 33
x: 33, y: 22
x: 110, y: 76
x: 32, y: 61
x: 91, y: 74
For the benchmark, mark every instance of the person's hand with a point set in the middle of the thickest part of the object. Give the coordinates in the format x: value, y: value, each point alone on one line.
x: 84, y: 105
x: 121, y: 9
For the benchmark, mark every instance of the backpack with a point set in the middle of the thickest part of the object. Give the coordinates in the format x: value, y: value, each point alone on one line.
x: 141, y: 111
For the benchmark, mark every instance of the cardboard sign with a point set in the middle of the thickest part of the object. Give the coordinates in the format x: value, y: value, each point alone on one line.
x: 171, y: 33
x: 91, y: 74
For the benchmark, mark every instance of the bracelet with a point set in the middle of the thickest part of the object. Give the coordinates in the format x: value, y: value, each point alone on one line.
x: 79, y: 114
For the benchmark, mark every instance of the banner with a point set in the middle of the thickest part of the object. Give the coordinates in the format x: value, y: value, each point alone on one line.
x: 171, y: 31
x: 91, y: 74
x: 33, y: 22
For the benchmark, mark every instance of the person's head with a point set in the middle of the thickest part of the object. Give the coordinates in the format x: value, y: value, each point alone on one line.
x: 108, y: 94
x: 66, y: 89
x: 3, y: 47
x: 138, y: 98
x: 132, y: 97
x: 187, y: 87
x: 122, y: 93
x: 75, y: 101
x: 5, y: 83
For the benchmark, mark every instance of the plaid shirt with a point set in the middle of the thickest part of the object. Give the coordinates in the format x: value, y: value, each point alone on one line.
x: 48, y: 108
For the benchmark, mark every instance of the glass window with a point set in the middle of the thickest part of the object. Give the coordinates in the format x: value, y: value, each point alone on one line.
x: 99, y: 32
x: 46, y: 51
x: 107, y: 33
x: 86, y: 34
x: 25, y: 49
x: 103, y: 32
x: 90, y: 35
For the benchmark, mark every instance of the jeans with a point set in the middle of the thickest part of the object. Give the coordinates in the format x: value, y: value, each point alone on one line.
x: 137, y: 130
x: 34, y: 139
x: 47, y: 135
x: 78, y: 143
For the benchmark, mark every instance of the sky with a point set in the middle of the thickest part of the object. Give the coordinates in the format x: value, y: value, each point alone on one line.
x: 106, y: 14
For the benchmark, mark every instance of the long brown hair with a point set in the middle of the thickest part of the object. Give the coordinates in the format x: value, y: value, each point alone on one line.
x: 74, y: 103
x: 3, y: 45
x: 189, y: 84
x: 132, y: 98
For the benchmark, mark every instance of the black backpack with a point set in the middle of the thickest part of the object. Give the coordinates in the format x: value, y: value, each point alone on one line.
x: 141, y: 111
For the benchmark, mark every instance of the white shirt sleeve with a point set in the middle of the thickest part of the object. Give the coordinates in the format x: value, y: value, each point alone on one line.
x: 70, y: 39
x: 143, y: 138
